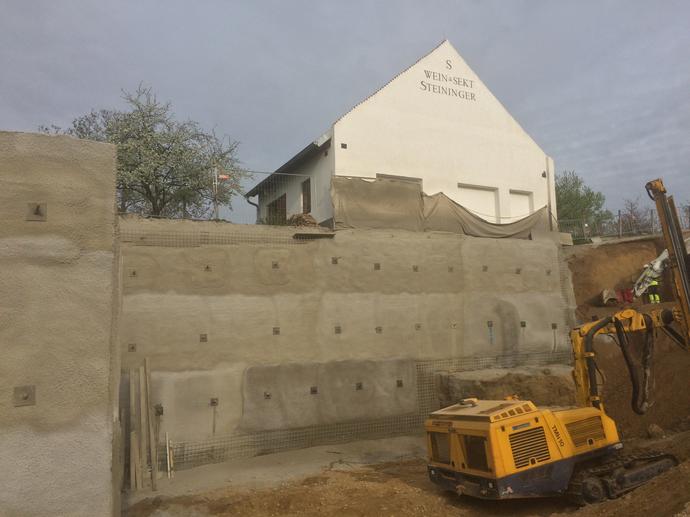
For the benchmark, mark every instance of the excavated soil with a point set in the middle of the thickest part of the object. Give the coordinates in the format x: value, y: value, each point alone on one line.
x: 617, y: 266
x: 609, y: 266
x: 545, y: 386
x: 670, y: 392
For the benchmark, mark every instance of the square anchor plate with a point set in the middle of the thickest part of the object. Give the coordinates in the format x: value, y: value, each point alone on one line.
x: 24, y: 396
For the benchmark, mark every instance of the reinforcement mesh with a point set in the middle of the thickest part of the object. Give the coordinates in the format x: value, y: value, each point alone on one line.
x: 231, y: 236
x: 223, y: 448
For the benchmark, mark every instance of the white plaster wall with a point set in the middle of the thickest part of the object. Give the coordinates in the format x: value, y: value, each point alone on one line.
x: 481, y: 201
x: 445, y: 140
x: 58, y: 317
x: 521, y: 203
x: 320, y: 170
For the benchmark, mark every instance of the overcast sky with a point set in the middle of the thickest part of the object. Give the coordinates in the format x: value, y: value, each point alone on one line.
x: 603, y: 87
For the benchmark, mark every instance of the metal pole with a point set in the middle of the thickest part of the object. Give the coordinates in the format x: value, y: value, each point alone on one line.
x: 215, y: 193
x: 547, y: 174
x: 651, y: 220
x: 620, y: 225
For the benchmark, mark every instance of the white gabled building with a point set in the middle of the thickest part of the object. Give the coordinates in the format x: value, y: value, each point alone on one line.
x: 436, y: 121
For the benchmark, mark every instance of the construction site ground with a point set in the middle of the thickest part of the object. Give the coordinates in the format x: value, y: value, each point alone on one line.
x: 366, y: 479
x: 388, y: 477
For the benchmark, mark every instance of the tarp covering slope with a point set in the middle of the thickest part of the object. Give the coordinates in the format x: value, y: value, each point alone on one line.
x: 387, y: 203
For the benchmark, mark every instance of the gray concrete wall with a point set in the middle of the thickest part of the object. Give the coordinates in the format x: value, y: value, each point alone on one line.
x: 280, y: 317
x: 58, y: 316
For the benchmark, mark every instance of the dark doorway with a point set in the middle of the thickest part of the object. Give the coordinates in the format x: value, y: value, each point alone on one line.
x: 277, y: 211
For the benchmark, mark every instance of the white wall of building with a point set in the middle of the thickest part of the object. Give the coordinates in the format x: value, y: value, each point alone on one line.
x: 319, y: 169
x: 439, y: 122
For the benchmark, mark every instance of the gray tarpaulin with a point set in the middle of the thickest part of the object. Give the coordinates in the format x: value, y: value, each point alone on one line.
x: 443, y: 214
x: 379, y: 203
x: 386, y: 203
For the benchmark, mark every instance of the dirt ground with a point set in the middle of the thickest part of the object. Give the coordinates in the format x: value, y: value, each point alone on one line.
x: 402, y: 488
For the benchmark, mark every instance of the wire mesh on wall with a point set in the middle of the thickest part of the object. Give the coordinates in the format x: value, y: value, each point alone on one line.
x: 192, y: 454
x: 232, y: 235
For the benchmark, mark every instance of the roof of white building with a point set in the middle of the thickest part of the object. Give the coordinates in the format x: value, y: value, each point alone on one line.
x: 324, y: 141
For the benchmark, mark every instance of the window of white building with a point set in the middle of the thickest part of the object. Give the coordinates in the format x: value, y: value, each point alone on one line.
x: 306, y: 196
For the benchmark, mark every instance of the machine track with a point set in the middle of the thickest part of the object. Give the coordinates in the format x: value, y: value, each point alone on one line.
x: 595, y: 482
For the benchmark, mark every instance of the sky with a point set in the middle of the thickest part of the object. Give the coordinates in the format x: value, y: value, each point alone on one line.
x: 602, y: 86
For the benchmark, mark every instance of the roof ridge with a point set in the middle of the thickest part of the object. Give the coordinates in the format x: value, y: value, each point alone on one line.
x: 445, y: 40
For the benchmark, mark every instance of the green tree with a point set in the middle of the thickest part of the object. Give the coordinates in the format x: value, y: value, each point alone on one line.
x: 575, y: 200
x: 164, y: 167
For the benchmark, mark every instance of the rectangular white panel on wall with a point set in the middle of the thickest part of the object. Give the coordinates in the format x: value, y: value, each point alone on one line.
x: 521, y: 204
x: 480, y: 200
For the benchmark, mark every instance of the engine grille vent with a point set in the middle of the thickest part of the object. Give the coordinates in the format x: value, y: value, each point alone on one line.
x: 529, y: 447
x: 582, y: 431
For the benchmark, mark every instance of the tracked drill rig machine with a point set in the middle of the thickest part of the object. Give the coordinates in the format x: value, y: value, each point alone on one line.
x: 501, y: 449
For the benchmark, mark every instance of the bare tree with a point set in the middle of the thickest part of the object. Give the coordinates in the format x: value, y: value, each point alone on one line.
x: 635, y: 217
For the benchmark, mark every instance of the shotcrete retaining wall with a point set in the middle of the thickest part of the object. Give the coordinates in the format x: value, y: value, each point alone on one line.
x: 307, y: 340
x: 58, y: 314
x: 545, y: 386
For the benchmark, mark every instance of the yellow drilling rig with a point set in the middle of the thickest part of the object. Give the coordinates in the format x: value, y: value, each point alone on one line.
x: 501, y: 449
